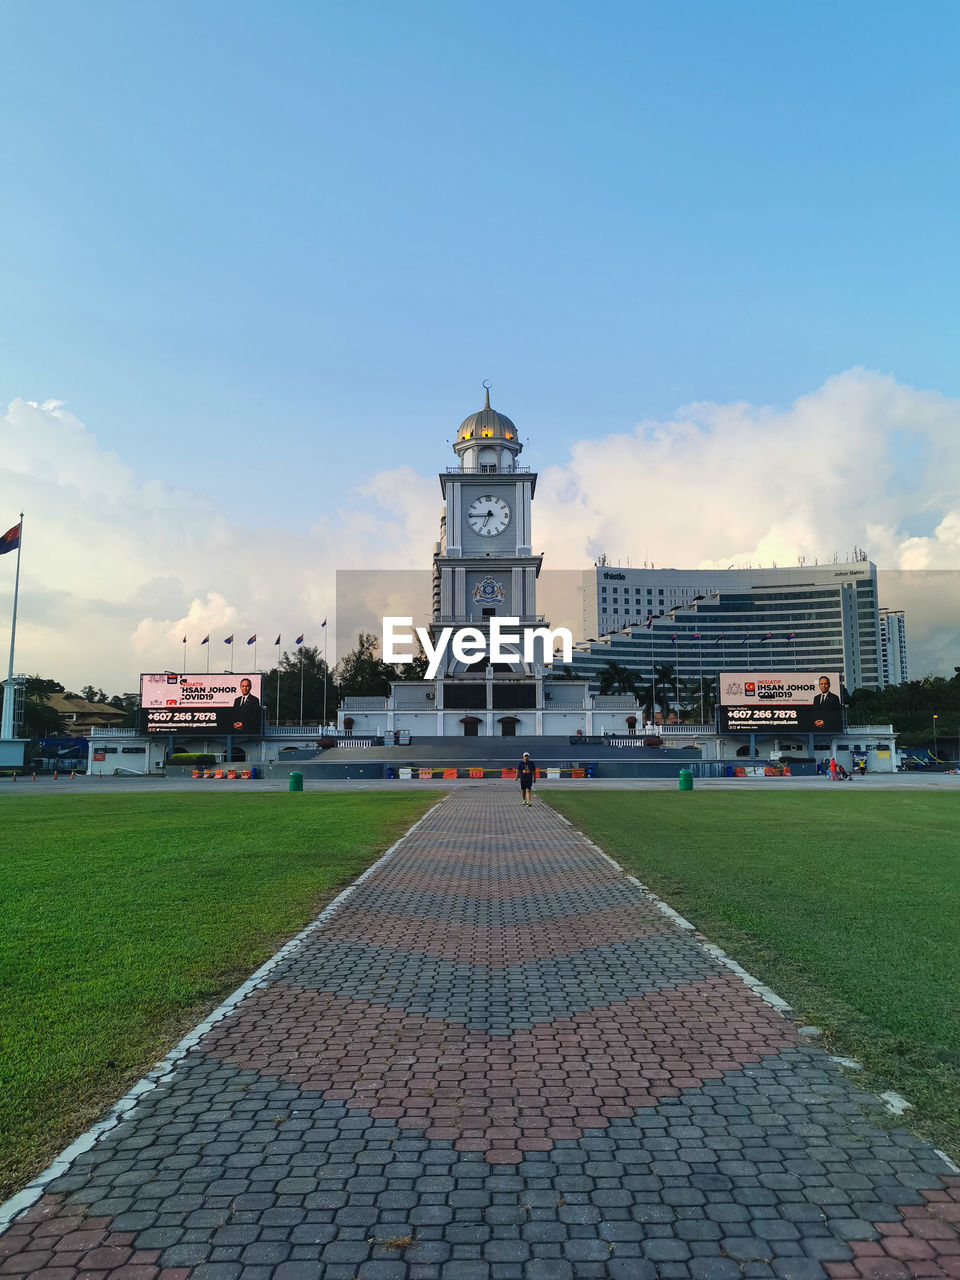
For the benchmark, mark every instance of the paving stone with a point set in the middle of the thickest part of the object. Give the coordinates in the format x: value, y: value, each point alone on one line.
x: 498, y: 1060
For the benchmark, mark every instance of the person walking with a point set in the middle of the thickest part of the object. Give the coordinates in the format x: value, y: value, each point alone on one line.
x: 833, y: 769
x: 526, y: 772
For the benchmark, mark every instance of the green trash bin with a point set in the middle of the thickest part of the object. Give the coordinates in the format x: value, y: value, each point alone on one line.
x: 296, y: 781
x: 685, y: 780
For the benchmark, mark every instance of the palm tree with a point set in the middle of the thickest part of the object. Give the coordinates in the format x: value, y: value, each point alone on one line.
x: 665, y: 680
x: 616, y: 678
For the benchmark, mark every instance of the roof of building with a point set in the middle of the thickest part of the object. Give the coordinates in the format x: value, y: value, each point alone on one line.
x: 487, y: 423
x: 73, y: 704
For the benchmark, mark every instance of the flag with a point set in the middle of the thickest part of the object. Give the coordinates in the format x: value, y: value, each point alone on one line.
x: 696, y: 635
x: 299, y: 639
x: 184, y: 639
x: 768, y: 636
x: 205, y: 640
x: 719, y: 638
x: 649, y: 622
x: 674, y: 637
x: 253, y: 639
x: 745, y: 640
x: 323, y: 623
x: 10, y: 540
x: 229, y: 640
x: 277, y: 641
x: 792, y: 635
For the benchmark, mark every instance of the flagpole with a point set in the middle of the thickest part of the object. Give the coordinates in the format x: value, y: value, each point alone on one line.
x: 208, y: 656
x: 301, y: 686
x: 255, y: 655
x: 277, y: 721
x: 184, y: 655
x: 7, y: 725
x: 16, y: 597
x: 324, y: 673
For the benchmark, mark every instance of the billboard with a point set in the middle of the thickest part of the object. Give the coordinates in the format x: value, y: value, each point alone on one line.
x: 807, y: 701
x: 172, y: 703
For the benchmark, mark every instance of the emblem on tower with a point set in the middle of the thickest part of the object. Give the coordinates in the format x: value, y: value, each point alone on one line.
x: 488, y: 591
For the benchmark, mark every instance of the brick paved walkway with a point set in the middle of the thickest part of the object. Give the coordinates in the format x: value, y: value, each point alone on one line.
x: 497, y: 1061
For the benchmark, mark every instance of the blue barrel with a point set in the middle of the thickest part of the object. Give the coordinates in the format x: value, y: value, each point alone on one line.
x: 254, y: 771
x: 591, y: 770
x: 391, y: 772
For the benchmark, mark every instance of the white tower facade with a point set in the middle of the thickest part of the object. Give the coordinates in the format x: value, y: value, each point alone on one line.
x: 484, y: 565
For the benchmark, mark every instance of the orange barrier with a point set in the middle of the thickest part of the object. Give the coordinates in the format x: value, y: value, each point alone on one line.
x: 231, y: 773
x: 425, y: 774
x: 449, y: 773
x: 476, y: 773
x: 577, y: 773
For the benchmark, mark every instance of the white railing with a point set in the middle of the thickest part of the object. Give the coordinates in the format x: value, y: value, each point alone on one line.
x: 870, y: 728
x: 364, y: 704
x: 615, y: 702
x: 299, y: 731
x: 115, y: 733
x: 488, y: 469
x: 673, y: 730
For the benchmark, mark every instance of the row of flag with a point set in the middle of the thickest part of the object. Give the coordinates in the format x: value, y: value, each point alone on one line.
x: 253, y: 638
x: 696, y: 635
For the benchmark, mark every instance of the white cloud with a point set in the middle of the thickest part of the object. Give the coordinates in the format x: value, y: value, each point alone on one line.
x: 116, y: 570
x: 862, y: 461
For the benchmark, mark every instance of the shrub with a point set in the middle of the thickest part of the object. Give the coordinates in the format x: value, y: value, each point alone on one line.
x: 192, y: 758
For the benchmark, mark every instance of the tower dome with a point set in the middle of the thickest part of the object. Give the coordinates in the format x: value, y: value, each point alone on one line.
x: 487, y: 439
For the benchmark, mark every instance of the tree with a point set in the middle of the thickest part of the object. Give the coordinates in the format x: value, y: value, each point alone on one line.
x: 362, y: 673
x: 129, y: 704
x: 665, y: 679
x: 316, y: 675
x: 616, y: 678
x: 40, y: 720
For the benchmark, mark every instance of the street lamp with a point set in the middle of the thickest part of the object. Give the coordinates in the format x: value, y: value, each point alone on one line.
x: 935, y: 719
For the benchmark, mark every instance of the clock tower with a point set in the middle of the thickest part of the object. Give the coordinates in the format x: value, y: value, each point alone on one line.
x: 484, y: 564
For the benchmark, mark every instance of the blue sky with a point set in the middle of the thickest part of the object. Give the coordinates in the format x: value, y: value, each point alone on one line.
x: 259, y: 258
x: 306, y: 232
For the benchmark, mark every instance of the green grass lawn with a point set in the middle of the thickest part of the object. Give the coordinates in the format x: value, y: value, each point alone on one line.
x: 124, y: 918
x: 847, y: 904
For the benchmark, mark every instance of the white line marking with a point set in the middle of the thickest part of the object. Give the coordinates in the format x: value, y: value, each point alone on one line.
x: 896, y: 1104
x: 33, y: 1190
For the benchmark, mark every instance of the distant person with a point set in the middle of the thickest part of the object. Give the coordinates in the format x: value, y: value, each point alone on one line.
x: 833, y: 769
x: 526, y: 772
x: 826, y: 708
x: 246, y: 709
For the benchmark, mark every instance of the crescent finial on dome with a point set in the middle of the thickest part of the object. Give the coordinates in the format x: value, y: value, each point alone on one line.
x: 486, y: 395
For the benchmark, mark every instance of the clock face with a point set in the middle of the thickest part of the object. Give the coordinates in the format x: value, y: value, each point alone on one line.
x: 488, y: 516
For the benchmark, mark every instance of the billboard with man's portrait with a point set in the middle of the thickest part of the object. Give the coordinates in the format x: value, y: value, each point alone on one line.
x: 197, y: 704
x: 807, y: 701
